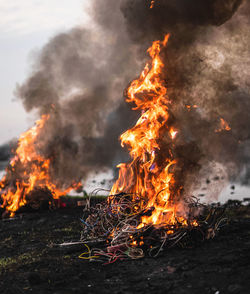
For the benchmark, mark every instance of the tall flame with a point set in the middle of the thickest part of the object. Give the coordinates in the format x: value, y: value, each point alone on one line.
x: 28, y: 170
x: 150, y: 173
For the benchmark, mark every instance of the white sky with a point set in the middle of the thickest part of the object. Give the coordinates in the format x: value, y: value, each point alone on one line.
x: 25, y: 27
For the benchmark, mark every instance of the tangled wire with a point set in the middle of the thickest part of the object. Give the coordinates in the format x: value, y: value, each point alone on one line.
x: 114, y: 226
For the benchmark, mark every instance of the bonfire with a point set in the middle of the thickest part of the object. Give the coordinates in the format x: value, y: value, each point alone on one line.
x: 147, y: 209
x: 27, y: 179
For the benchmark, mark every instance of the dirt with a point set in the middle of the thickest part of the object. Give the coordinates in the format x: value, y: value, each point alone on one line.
x: 30, y: 262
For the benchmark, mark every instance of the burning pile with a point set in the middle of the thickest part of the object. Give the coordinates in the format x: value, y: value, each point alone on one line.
x: 116, y: 226
x: 27, y: 179
x: 147, y: 209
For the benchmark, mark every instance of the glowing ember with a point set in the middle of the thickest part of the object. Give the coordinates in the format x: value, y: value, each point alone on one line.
x: 224, y: 126
x: 27, y: 171
x: 150, y: 174
x: 189, y: 107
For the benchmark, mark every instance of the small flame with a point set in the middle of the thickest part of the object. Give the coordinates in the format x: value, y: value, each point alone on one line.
x: 152, y: 4
x: 173, y: 133
x: 28, y: 170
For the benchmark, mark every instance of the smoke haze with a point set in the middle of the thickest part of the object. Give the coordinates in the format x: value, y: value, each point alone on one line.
x: 80, y: 77
x: 206, y: 66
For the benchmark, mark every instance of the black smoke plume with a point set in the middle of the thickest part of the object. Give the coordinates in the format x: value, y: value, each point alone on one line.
x: 81, y: 75
x: 79, y: 78
x: 206, y: 67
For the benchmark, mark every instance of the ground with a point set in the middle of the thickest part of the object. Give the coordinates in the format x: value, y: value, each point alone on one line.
x: 31, y: 263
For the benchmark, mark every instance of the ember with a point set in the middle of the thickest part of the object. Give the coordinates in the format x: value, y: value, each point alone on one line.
x: 27, y: 178
x: 224, y: 126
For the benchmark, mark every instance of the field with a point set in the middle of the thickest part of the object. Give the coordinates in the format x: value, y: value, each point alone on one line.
x: 30, y: 261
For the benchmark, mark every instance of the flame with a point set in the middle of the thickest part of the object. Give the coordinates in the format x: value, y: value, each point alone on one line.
x: 28, y: 170
x: 173, y: 133
x: 152, y: 4
x: 150, y: 174
x: 224, y: 126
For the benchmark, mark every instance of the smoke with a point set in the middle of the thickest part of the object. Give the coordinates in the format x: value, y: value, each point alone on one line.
x: 5, y: 153
x: 81, y: 76
x: 206, y: 66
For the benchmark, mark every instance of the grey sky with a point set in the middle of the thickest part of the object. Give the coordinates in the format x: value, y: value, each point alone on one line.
x: 25, y: 26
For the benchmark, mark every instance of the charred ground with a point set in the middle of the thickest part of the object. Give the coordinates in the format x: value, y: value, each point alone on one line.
x: 31, y: 263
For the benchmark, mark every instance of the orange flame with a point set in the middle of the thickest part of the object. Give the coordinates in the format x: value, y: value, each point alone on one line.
x: 152, y: 4
x: 150, y: 173
x: 34, y: 172
x: 173, y: 133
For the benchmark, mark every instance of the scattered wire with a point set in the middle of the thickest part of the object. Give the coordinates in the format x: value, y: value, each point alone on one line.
x: 113, y: 225
x: 81, y: 256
